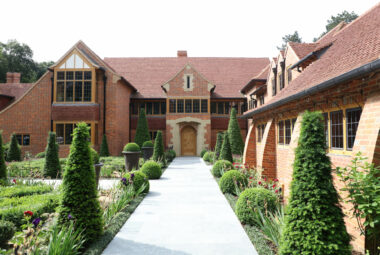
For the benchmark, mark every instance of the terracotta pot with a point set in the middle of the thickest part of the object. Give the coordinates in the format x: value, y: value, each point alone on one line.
x: 98, y: 167
x: 147, y: 152
x: 131, y: 160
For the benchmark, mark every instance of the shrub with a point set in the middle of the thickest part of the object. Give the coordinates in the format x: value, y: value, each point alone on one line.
x: 148, y: 144
x: 253, y: 200
x: 152, y: 169
x: 14, y: 152
x: 206, y: 156
x: 3, y: 166
x: 232, y: 180
x: 218, y: 146
x: 221, y: 166
x: 24, y: 190
x: 234, y: 134
x: 137, y: 180
x: 313, y: 221
x: 94, y: 156
x: 40, y: 154
x: 142, y: 129
x: 104, y: 152
x: 203, y: 152
x: 158, y: 153
x: 226, y: 153
x: 170, y: 155
x: 52, y: 167
x: 80, y: 198
x: 7, y: 230
x: 132, y: 147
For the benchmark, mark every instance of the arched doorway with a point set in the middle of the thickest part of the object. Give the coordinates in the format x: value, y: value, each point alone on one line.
x: 188, y: 141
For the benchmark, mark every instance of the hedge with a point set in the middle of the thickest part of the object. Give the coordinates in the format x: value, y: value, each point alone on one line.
x: 24, y: 190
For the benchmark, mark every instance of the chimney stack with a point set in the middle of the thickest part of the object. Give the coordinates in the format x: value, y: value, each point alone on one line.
x: 182, y: 53
x: 13, y: 77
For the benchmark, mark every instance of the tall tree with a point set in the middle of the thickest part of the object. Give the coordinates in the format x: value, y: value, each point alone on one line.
x: 295, y: 37
x: 142, y: 129
x: 234, y: 134
x: 3, y: 167
x: 52, y: 167
x: 345, y: 16
x: 314, y: 220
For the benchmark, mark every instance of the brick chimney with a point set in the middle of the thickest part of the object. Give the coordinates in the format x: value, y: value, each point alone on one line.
x: 182, y: 53
x: 13, y: 77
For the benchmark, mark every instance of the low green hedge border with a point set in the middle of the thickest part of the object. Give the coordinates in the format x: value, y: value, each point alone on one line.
x: 113, y: 228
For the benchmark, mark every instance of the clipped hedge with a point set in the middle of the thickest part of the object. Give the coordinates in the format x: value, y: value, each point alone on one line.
x: 132, y: 147
x: 137, y: 180
x: 227, y: 182
x: 40, y: 154
x: 32, y: 168
x: 254, y: 199
x: 148, y: 144
x: 7, y: 230
x: 23, y: 190
x: 209, y: 156
x: 152, y: 169
x: 203, y: 151
x: 220, y: 166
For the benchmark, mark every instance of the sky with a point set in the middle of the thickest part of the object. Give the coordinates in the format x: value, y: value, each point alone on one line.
x: 158, y: 28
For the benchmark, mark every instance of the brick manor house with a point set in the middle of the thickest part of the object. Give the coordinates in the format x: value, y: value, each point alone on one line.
x: 189, y: 99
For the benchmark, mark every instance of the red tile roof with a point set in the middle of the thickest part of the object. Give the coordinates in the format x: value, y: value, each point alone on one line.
x: 229, y: 75
x: 15, y: 90
x: 353, y: 46
x: 302, y: 49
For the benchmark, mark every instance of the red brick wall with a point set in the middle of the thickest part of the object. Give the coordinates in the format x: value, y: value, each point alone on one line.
x: 75, y: 112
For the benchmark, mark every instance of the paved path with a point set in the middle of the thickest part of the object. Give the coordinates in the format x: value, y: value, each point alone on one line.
x: 184, y: 213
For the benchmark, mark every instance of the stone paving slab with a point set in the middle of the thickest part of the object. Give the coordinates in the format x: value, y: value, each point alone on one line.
x: 184, y: 213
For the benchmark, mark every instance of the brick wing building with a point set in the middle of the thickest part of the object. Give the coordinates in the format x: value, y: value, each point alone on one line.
x: 189, y: 99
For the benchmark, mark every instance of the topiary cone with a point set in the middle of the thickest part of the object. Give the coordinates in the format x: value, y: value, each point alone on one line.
x: 52, y: 167
x: 226, y: 153
x: 14, y: 153
x: 218, y: 146
x: 3, y: 166
x: 234, y: 134
x: 104, y: 152
x: 142, y: 129
x: 159, y: 150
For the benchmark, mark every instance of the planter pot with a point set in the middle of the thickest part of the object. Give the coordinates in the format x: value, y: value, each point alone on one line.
x: 97, y: 172
x: 147, y: 152
x: 131, y: 160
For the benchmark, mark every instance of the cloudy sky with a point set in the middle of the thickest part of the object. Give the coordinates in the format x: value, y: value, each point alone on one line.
x: 153, y: 28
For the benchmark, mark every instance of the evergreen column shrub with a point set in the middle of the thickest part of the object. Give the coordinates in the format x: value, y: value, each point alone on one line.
x: 80, y: 199
x: 3, y: 166
x: 104, y: 152
x: 314, y: 220
x: 159, y: 150
x: 234, y: 134
x: 226, y: 153
x: 142, y: 130
x: 14, y: 153
x: 218, y: 146
x: 52, y: 167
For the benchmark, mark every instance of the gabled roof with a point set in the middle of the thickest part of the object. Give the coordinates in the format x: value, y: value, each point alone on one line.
x: 302, y: 49
x: 14, y: 90
x: 354, y: 46
x: 262, y: 76
x: 227, y: 74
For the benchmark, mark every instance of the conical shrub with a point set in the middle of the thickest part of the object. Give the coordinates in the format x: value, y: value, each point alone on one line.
x: 14, y: 153
x: 218, y: 146
x: 3, y: 166
x: 314, y: 220
x: 234, y: 134
x: 52, y: 167
x: 226, y: 153
x: 159, y: 149
x: 104, y: 152
x: 80, y: 199
x: 142, y: 129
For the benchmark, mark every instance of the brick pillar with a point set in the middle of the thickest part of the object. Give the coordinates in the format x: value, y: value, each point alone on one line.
x: 269, y: 151
x: 249, y: 156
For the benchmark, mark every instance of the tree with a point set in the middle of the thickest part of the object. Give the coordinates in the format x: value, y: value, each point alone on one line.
x: 80, y: 199
x: 234, y: 134
x: 218, y: 146
x: 14, y: 153
x: 226, y: 153
x: 52, y: 167
x: 314, y: 220
x: 142, y: 130
x: 344, y: 16
x: 104, y: 152
x: 3, y: 166
x: 290, y: 38
x: 42, y: 67
x: 159, y: 149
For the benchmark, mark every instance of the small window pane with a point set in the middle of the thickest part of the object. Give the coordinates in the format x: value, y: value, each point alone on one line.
x: 59, y: 130
x: 227, y: 107
x: 60, y: 75
x: 213, y: 107
x: 172, y: 105
x: 281, y: 132
x: 69, y: 75
x: 156, y: 108
x: 68, y: 133
x: 336, y: 119
x: 142, y: 106
x: 352, y: 119
x: 87, y: 75
x: 188, y: 103
x: 78, y: 75
x: 70, y: 62
x: 149, y: 108
x: 19, y: 139
x: 220, y: 108
x: 196, y: 105
x: 78, y: 91
x: 288, y: 132
x: 69, y: 91
x: 163, y: 107
x: 204, y: 105
x: 134, y: 108
x: 60, y: 91
x: 87, y: 91
x: 180, y: 105
x: 293, y: 123
x: 26, y: 140
x: 78, y: 62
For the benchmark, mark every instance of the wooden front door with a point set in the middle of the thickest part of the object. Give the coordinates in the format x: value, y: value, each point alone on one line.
x: 188, y: 141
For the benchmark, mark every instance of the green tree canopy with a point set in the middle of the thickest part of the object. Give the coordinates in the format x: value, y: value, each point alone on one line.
x: 295, y: 37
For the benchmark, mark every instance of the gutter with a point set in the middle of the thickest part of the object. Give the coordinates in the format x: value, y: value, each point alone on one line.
x: 362, y: 70
x: 313, y: 53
